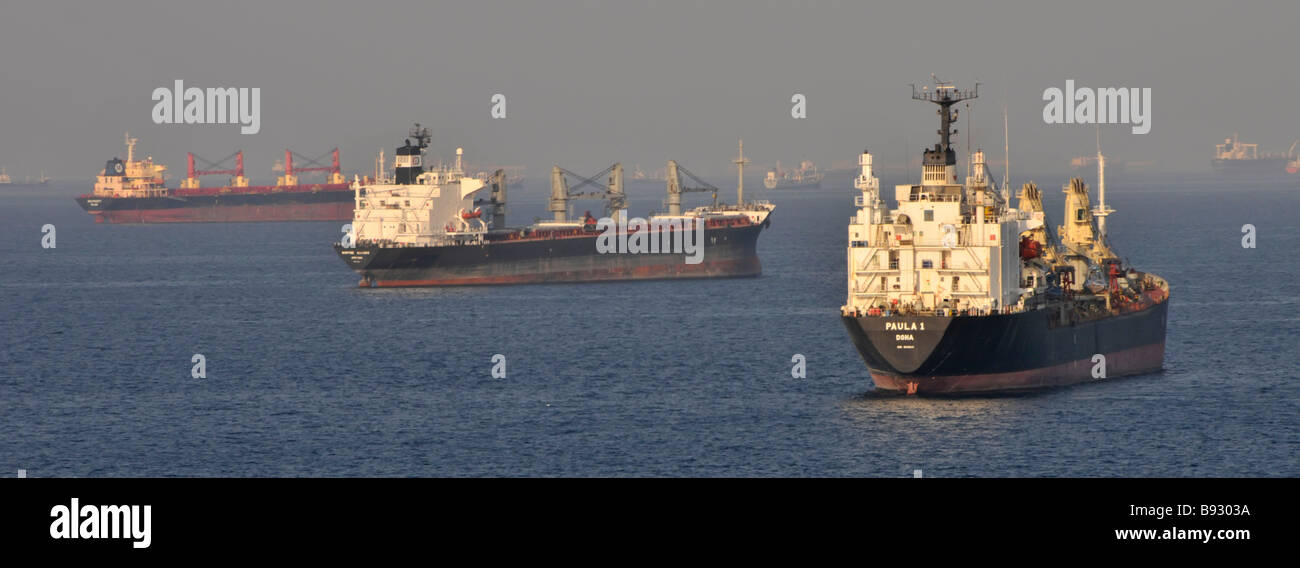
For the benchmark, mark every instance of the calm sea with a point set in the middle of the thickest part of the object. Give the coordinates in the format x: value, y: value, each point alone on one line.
x: 307, y: 375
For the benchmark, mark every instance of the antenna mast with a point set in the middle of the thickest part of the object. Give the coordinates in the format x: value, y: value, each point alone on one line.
x: 421, y: 136
x: 1101, y: 211
x: 945, y: 95
x: 969, y: 163
x: 1006, y: 152
x: 130, y: 147
x: 740, y: 174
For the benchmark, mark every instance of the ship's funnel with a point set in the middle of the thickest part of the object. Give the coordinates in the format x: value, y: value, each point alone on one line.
x: 408, y: 164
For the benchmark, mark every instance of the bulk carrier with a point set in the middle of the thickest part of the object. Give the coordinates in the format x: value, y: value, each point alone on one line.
x: 806, y: 177
x: 1236, y: 157
x: 135, y: 191
x: 956, y: 291
x: 7, y: 182
x: 427, y: 228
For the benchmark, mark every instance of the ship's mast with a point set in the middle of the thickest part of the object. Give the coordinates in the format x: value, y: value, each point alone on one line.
x: 937, y: 161
x: 1101, y: 211
x: 970, y: 164
x: 130, y: 147
x: 1006, y: 154
x: 740, y: 174
x: 421, y: 136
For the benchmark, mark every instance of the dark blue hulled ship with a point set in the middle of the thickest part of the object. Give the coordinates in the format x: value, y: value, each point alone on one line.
x: 425, y: 227
x: 958, y: 291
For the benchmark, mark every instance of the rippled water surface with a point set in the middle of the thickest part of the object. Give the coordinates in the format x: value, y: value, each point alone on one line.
x: 308, y: 375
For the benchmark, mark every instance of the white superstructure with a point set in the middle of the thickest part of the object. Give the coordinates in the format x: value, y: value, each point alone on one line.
x: 437, y: 206
x: 418, y: 207
x: 949, y: 246
x: 430, y: 211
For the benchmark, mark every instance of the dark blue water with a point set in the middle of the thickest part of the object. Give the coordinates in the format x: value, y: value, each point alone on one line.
x: 308, y: 375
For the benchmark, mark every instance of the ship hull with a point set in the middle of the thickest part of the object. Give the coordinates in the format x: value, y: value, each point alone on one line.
x: 1005, y: 352
x: 1257, y: 166
x: 330, y: 204
x: 795, y: 185
x: 728, y: 252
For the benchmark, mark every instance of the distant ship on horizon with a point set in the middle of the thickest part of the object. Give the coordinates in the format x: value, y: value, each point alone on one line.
x: 8, y: 182
x: 1088, y: 163
x: 660, y: 175
x: 1235, y: 156
x: 135, y: 191
x: 806, y: 176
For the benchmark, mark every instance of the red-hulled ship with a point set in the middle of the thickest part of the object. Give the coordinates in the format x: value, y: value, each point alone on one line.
x: 134, y: 191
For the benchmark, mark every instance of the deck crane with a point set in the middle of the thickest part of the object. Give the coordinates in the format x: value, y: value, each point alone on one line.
x: 676, y: 189
x: 611, y: 192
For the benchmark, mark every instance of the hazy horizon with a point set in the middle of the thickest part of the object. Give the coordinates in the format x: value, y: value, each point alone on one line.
x: 590, y: 83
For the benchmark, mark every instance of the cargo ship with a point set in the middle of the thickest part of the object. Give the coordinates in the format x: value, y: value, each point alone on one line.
x: 642, y: 179
x: 8, y: 182
x: 1234, y: 157
x: 806, y: 177
x: 135, y: 191
x: 1086, y: 163
x: 427, y: 227
x: 514, y: 175
x: 956, y: 291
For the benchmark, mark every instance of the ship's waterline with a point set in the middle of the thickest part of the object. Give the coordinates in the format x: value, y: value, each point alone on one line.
x: 427, y: 228
x: 134, y: 191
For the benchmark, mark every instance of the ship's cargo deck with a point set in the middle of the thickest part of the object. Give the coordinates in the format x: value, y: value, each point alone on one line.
x: 320, y: 202
x: 729, y: 249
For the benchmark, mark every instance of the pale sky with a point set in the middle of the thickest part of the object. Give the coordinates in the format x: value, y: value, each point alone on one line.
x: 588, y: 83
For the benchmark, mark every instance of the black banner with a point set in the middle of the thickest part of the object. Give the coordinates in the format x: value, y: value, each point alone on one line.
x: 322, y: 516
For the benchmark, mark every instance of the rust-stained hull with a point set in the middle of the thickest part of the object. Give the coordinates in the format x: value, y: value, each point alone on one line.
x: 327, y: 202
x: 1018, y: 351
x: 727, y: 252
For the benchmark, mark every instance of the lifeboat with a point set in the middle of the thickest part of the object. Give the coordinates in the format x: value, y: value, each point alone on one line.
x: 1030, y: 248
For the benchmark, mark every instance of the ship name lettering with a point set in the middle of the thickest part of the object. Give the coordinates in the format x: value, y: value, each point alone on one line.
x: 904, y: 326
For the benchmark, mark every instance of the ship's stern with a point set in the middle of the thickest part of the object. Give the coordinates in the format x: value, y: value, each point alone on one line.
x: 359, y: 259
x: 897, y: 349
x: 94, y: 205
